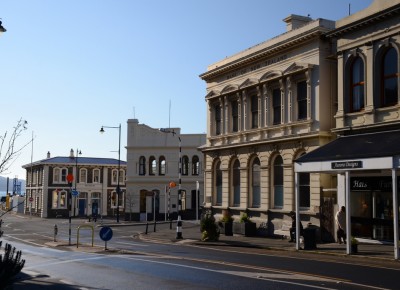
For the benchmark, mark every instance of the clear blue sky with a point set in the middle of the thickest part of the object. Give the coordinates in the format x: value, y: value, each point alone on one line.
x: 70, y: 66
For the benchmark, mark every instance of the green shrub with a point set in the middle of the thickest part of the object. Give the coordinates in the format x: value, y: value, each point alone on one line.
x: 209, y: 228
x: 10, y: 263
x: 244, y: 218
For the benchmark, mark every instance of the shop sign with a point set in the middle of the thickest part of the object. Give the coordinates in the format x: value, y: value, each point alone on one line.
x: 347, y: 165
x: 382, y: 183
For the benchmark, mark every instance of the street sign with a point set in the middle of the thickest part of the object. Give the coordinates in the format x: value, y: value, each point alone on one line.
x: 70, y: 177
x: 31, y: 199
x: 106, y: 233
x: 75, y: 192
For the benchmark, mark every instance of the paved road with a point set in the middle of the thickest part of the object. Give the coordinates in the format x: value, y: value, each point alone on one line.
x: 188, y: 263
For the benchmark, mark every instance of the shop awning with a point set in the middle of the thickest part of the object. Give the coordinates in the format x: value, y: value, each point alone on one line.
x: 371, y: 145
x: 370, y: 151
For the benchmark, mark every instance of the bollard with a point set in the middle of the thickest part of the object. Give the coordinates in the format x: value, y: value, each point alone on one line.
x: 155, y: 226
x: 147, y: 227
x: 170, y: 224
x: 55, y: 233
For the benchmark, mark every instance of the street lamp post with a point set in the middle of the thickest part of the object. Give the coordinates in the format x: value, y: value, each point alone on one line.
x: 119, y: 163
x: 179, y: 222
x: 78, y: 152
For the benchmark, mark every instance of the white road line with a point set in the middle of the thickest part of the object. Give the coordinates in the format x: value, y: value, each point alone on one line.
x: 132, y: 244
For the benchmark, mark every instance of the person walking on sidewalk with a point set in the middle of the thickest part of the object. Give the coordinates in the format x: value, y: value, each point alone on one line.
x: 341, y: 225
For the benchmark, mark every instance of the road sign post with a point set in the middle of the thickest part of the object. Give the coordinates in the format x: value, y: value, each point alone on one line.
x: 105, y: 234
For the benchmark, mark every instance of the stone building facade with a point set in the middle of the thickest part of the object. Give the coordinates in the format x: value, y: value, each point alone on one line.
x: 153, y: 173
x: 268, y: 105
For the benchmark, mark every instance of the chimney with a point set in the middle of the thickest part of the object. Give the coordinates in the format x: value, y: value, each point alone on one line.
x: 71, y: 154
x: 48, y: 154
x: 294, y: 21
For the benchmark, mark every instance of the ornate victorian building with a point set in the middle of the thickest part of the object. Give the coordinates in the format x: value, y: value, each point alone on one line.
x: 267, y: 106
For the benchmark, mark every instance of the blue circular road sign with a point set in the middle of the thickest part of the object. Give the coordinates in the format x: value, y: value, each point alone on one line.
x: 75, y: 192
x: 106, y: 233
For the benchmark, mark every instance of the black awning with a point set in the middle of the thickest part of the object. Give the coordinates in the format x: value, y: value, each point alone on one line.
x: 379, y: 144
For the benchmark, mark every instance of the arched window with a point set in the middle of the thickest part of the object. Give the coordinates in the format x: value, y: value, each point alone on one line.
x: 195, y: 165
x: 218, y: 182
x: 185, y: 165
x: 83, y: 175
x: 278, y: 182
x: 236, y: 182
x: 357, y: 85
x: 114, y: 178
x: 152, y: 165
x: 389, y: 78
x: 161, y: 165
x: 142, y: 165
x: 121, y: 176
x: 96, y: 175
x: 255, y: 183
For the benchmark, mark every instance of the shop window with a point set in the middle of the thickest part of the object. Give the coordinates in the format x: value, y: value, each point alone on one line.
x: 59, y: 199
x: 389, y: 78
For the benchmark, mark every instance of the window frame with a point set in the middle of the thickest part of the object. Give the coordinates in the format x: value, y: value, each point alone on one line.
x: 254, y: 107
x: 255, y: 183
x: 218, y: 119
x: 235, y: 183
x: 389, y: 75
x: 162, y: 165
x: 302, y: 100
x: 185, y: 165
x: 195, y: 165
x: 235, y: 116
x: 83, y: 177
x: 152, y: 165
x: 96, y: 170
x: 357, y: 84
x: 276, y: 106
x: 142, y: 165
x: 278, y: 182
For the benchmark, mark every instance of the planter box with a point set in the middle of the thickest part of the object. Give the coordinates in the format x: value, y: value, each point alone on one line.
x: 226, y: 228
x: 246, y: 229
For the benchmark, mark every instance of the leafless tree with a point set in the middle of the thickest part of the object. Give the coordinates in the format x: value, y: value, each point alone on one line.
x: 9, y: 149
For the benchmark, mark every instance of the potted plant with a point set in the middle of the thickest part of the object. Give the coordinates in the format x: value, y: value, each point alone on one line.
x: 226, y: 223
x: 209, y: 229
x: 354, y: 245
x: 245, y: 226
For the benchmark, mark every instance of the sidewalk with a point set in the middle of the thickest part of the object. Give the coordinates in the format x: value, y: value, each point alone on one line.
x: 374, y: 252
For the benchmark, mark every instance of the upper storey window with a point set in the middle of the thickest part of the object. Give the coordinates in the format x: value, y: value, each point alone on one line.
x: 235, y: 116
x: 161, y: 165
x: 185, y: 165
x: 276, y: 105
x: 254, y: 111
x: 217, y: 111
x: 152, y: 165
x: 60, y: 175
x: 389, y: 78
x: 357, y: 85
x: 302, y: 100
x: 142, y: 165
x: 195, y: 165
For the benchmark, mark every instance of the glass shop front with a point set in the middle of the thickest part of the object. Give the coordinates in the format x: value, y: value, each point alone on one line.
x: 371, y: 200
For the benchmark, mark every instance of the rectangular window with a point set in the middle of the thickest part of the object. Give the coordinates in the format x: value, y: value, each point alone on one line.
x: 277, y: 106
x: 64, y: 173
x: 235, y: 116
x: 96, y: 176
x: 114, y: 176
x: 83, y: 176
x: 55, y: 199
x: 217, y: 120
x: 302, y: 100
x: 304, y: 188
x: 63, y: 199
x: 254, y: 111
x: 56, y: 177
